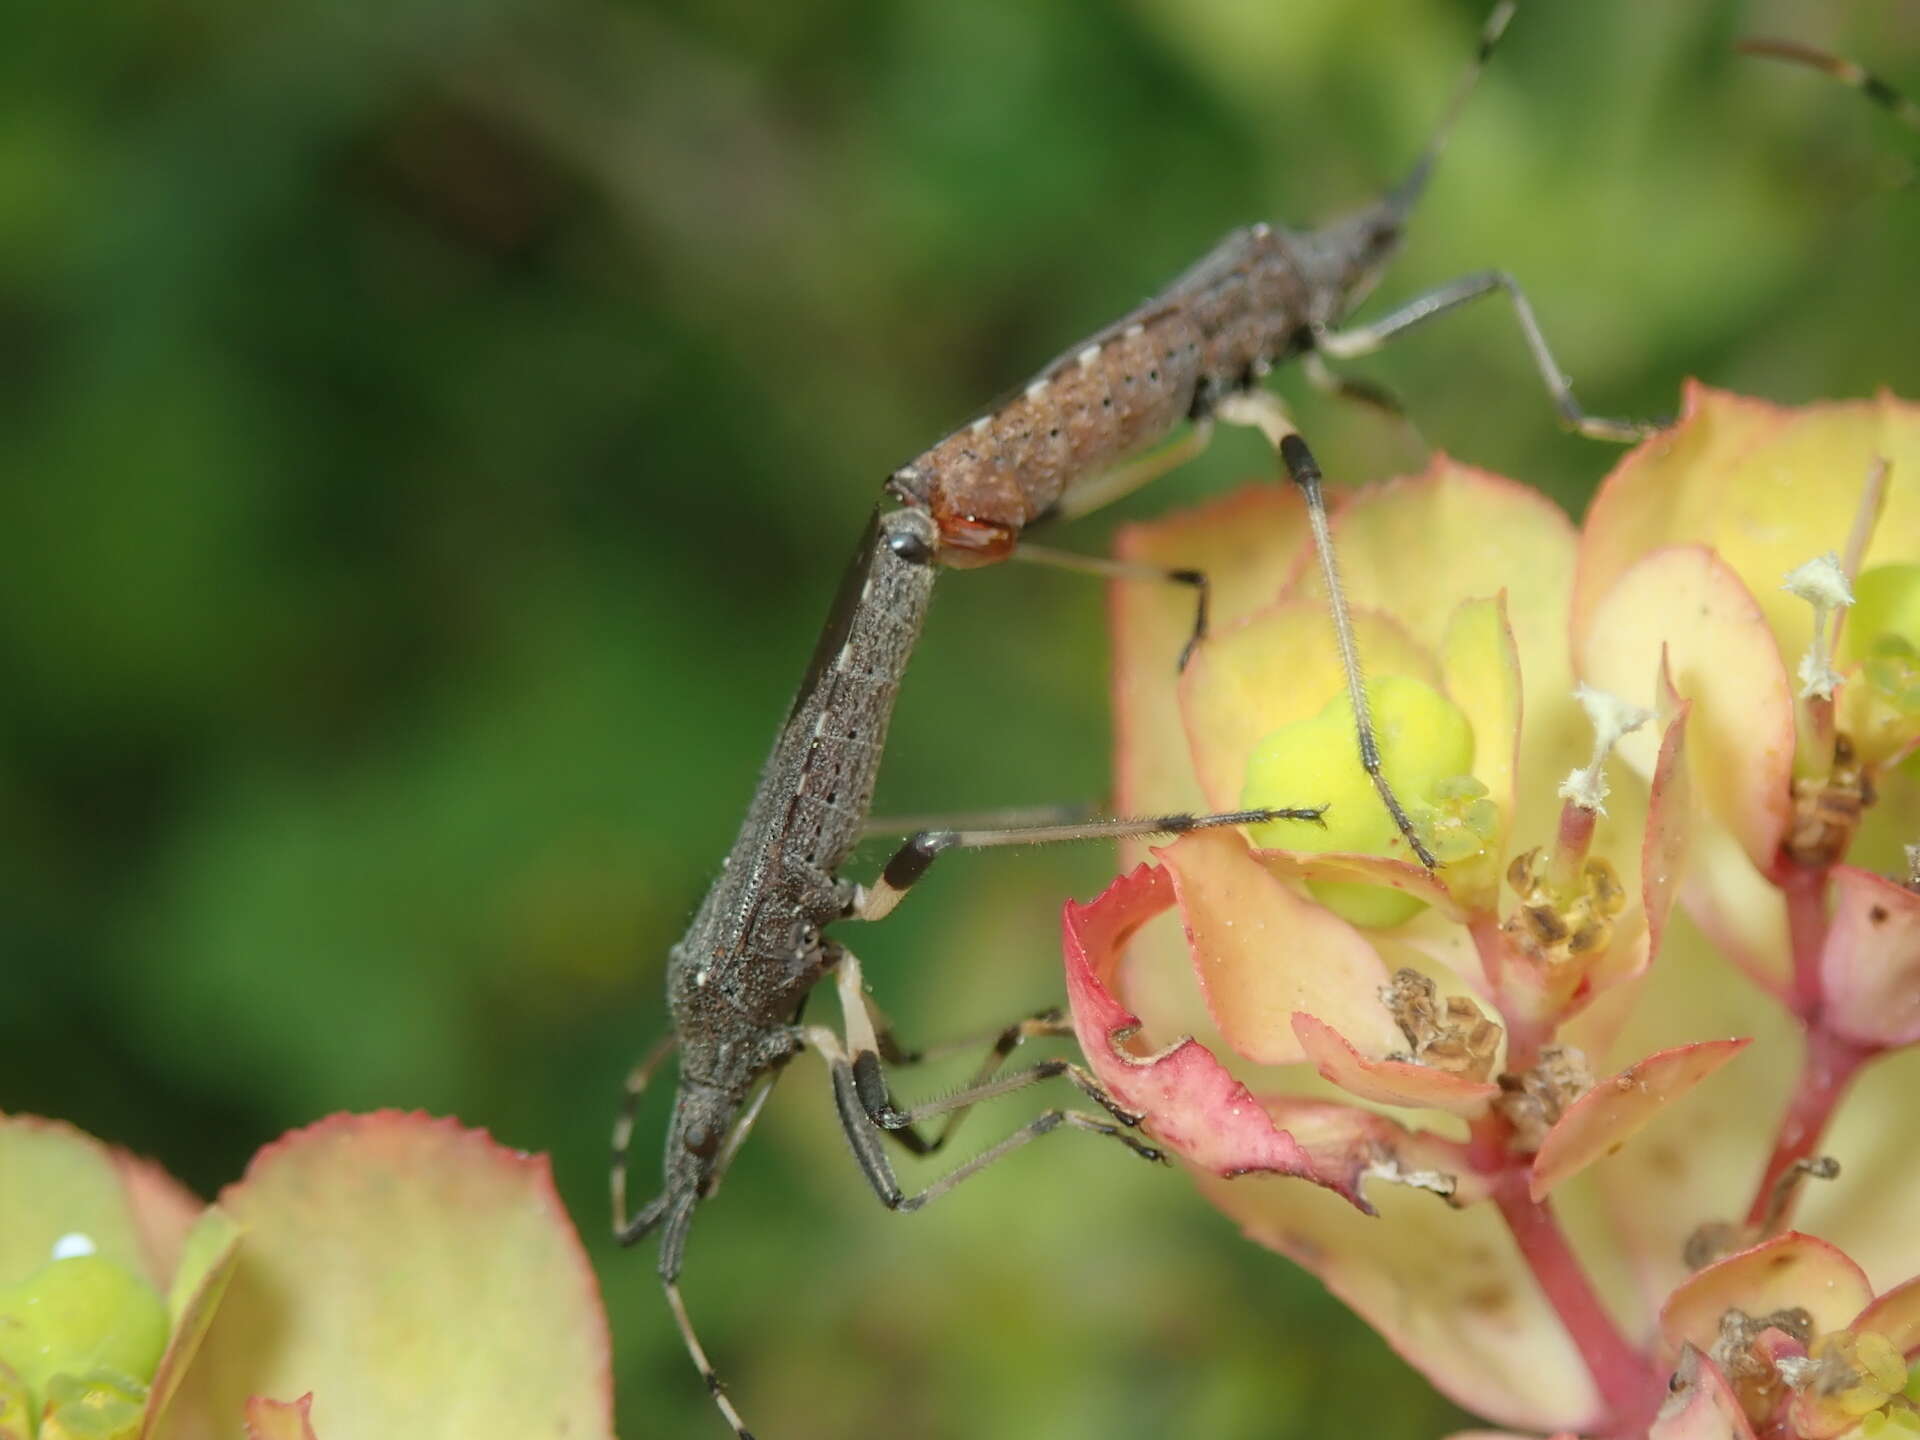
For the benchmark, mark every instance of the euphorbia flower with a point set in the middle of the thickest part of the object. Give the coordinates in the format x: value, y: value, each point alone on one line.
x: 1588, y: 725
x: 1788, y: 1336
x: 382, y: 1274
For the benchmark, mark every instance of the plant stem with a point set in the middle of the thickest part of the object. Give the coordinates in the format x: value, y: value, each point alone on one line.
x: 1825, y: 1073
x: 1805, y: 890
x: 1622, y: 1375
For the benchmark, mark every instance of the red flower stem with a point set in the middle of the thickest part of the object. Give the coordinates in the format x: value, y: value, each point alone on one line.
x: 1825, y: 1074
x: 1566, y: 868
x: 1805, y: 891
x: 1621, y: 1373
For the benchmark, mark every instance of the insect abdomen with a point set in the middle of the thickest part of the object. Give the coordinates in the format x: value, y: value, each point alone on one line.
x: 1213, y: 329
x: 987, y: 481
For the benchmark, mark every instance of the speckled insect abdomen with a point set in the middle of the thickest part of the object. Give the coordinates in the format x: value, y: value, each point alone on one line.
x: 1215, y: 329
x: 990, y: 479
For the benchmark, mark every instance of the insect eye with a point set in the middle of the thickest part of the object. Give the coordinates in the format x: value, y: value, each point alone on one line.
x: 702, y: 1139
x: 911, y: 548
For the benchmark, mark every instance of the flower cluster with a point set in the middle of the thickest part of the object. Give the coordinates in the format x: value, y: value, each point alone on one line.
x: 1563, y: 1105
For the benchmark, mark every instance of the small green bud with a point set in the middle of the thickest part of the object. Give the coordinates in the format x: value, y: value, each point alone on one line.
x: 78, y: 1315
x: 1426, y: 745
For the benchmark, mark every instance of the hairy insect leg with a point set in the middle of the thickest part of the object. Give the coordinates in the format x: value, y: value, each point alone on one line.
x: 1368, y: 393
x: 1109, y: 569
x: 1005, y: 817
x: 1086, y: 496
x: 866, y: 1046
x: 1365, y: 339
x: 737, y: 1136
x: 627, y: 1228
x: 894, y: 1053
x: 1263, y: 410
x: 916, y: 856
x: 871, y: 1154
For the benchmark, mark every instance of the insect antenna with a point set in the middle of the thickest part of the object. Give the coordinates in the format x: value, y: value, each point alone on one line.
x: 1839, y: 68
x: 701, y: 1363
x: 1403, y: 197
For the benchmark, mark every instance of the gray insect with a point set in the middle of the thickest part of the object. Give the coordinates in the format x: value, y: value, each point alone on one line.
x: 1070, y: 441
x: 738, y: 980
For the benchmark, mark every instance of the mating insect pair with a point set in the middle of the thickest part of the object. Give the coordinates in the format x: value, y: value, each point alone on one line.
x: 1070, y: 441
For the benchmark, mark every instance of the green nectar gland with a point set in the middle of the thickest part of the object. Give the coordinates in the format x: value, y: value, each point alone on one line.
x: 1426, y: 750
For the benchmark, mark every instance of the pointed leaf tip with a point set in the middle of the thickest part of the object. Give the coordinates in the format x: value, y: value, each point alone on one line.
x: 280, y: 1419
x: 1387, y: 1082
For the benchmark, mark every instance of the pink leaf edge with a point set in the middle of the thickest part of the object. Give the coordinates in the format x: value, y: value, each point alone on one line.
x: 1791, y: 1269
x: 1700, y: 1405
x: 1896, y: 1315
x: 1614, y: 1110
x: 1870, y: 964
x: 1387, y: 1082
x: 1188, y: 1099
x: 534, y: 1168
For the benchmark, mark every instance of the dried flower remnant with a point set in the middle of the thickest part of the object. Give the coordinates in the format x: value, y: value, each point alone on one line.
x: 1454, y: 1035
x: 1827, y: 808
x: 1538, y: 989
x: 1532, y: 1103
x: 1742, y: 1353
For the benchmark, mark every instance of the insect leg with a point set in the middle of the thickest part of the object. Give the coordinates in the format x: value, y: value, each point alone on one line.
x: 916, y: 856
x: 1087, y: 496
x: 1365, y: 339
x: 1263, y: 410
x: 737, y: 1136
x: 1108, y: 569
x: 872, y: 1155
x: 894, y: 1053
x: 1369, y: 393
x: 1012, y: 816
x: 867, y: 1049
x: 629, y: 1228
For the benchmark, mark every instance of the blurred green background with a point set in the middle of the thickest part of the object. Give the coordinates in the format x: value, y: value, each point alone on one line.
x: 429, y: 437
